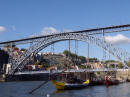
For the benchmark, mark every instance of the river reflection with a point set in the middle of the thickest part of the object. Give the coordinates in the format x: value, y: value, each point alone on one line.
x: 21, y: 89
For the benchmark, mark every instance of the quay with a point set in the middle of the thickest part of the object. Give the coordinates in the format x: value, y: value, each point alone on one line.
x: 95, y: 75
x: 2, y: 78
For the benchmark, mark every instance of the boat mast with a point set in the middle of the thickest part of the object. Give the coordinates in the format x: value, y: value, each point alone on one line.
x: 88, y: 55
x: 76, y: 52
x: 69, y: 54
x: 87, y: 61
x: 68, y: 57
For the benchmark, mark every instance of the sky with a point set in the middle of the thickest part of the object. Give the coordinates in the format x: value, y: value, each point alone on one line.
x: 27, y: 18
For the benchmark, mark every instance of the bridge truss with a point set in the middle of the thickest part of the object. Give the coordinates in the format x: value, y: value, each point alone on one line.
x: 94, y: 31
x: 41, y: 42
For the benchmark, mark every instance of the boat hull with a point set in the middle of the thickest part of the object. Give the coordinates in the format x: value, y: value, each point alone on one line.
x: 65, y: 86
x: 78, y: 86
x: 111, y: 82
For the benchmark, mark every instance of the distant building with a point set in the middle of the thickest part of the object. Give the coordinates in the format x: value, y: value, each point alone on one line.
x: 112, y: 64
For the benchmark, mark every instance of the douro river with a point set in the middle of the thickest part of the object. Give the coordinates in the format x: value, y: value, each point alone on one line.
x: 21, y: 89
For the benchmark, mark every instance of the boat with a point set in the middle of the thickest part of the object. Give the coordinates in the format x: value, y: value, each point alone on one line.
x: 109, y: 81
x: 67, y: 86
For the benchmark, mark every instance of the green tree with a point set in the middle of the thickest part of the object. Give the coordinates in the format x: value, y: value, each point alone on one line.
x: 83, y: 59
x: 93, y: 60
x: 109, y: 61
x: 82, y: 66
x: 37, y: 63
x: 23, y: 49
x: 129, y: 63
x: 74, y: 57
x: 66, y: 53
x: 120, y: 65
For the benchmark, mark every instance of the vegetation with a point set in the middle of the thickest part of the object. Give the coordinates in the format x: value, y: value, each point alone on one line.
x: 129, y: 63
x: 109, y: 61
x: 93, y: 60
x: 82, y: 66
x: 75, y: 58
x: 120, y: 65
x: 23, y: 49
x: 37, y: 63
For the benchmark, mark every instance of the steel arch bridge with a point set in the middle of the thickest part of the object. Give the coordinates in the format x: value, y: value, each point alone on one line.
x: 39, y: 44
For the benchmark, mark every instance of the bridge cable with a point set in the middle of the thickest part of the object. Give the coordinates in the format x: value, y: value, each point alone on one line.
x: 69, y: 53
x: 52, y: 57
x: 76, y: 53
x: 104, y: 53
x: 88, y: 55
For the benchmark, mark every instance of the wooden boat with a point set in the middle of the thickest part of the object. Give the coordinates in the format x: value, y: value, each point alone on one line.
x: 111, y: 82
x: 96, y: 83
x: 67, y: 86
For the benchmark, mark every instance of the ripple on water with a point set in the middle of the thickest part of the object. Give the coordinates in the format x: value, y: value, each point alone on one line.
x: 21, y: 89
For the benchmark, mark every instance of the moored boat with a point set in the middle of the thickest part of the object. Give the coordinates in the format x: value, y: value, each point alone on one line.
x: 68, y: 86
x: 109, y: 81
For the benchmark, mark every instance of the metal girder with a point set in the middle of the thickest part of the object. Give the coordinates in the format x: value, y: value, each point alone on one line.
x: 110, y: 29
x: 20, y: 62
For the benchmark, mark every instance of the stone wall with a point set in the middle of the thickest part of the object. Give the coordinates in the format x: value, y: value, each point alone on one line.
x: 123, y: 75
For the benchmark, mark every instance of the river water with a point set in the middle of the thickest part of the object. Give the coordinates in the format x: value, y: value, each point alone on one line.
x: 21, y: 89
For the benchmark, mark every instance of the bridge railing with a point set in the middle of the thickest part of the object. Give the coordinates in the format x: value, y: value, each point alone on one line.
x: 71, y: 70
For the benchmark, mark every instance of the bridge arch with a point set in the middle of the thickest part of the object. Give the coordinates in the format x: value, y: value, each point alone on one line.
x: 20, y: 62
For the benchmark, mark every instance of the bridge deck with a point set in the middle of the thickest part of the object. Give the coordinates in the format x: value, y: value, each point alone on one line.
x: 109, y: 29
x: 71, y: 70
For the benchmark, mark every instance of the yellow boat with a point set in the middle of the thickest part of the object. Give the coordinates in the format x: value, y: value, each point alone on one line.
x: 66, y: 86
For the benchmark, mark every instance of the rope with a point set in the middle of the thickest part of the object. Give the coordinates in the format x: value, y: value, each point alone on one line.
x: 38, y: 87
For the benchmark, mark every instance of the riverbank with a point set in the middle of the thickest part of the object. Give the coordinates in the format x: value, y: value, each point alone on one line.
x: 97, y: 77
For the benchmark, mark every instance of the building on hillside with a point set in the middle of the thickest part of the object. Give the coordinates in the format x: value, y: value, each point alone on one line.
x: 33, y: 67
x: 52, y: 68
x: 112, y: 64
x: 94, y: 65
